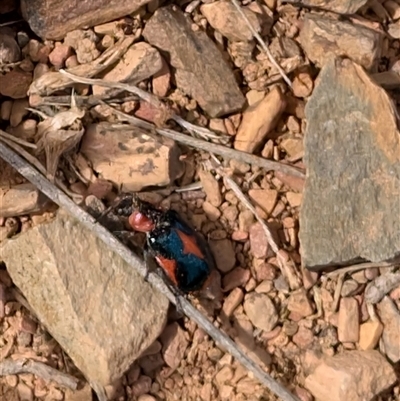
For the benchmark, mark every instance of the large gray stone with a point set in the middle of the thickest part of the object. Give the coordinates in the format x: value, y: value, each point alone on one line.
x: 351, y: 202
x: 92, y: 302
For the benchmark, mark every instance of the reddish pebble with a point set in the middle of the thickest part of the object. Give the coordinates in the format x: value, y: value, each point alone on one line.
x: 258, y: 241
x: 141, y: 386
x: 59, y: 55
x: 240, y: 236
x: 236, y: 278
x: 303, y: 394
x: 161, y: 81
x: 265, y: 271
x: 303, y: 338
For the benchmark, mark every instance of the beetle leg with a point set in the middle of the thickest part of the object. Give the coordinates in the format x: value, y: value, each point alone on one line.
x: 123, y: 206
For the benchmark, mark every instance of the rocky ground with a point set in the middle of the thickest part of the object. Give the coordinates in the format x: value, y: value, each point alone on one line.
x: 307, y: 129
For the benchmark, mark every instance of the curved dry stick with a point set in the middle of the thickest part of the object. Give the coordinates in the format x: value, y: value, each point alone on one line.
x: 11, y: 367
x: 57, y: 196
x: 221, y: 150
x: 284, y: 261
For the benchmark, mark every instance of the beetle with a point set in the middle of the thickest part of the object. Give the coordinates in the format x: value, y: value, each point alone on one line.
x: 179, y: 250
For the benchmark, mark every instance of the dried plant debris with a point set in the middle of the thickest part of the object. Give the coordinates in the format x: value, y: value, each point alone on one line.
x: 59, y: 134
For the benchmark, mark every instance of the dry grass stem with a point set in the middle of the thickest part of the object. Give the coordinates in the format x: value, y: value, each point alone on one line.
x: 149, y: 98
x: 15, y: 367
x: 360, y: 266
x: 286, y: 264
x: 17, y: 140
x: 262, y: 43
x: 338, y: 291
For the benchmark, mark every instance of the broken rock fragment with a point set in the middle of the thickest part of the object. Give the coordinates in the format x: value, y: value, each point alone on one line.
x: 324, y: 38
x: 370, y: 333
x: 253, y: 305
x: 96, y: 306
x: 351, y: 375
x: 174, y: 345
x: 225, y: 18
x: 53, y: 19
x: 259, y: 120
x: 15, y: 84
x: 131, y: 159
x: 21, y: 199
x: 351, y: 205
x: 200, y: 70
x: 348, y: 322
x: 141, y: 61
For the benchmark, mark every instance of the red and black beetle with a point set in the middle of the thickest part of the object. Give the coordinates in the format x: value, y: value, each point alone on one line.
x: 179, y: 250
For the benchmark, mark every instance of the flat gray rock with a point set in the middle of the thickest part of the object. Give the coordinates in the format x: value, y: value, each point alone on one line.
x: 337, y: 6
x: 92, y: 302
x: 200, y: 70
x: 351, y: 207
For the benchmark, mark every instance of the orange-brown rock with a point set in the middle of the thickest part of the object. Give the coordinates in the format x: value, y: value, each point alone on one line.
x: 133, y: 160
x: 259, y: 120
x: 352, y: 375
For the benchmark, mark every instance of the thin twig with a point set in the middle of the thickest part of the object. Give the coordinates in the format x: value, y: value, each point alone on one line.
x: 89, y: 222
x: 17, y: 140
x: 11, y: 22
x: 262, y: 43
x: 31, y: 159
x: 318, y: 304
x: 90, y: 101
x: 338, y: 291
x: 220, y: 150
x: 285, y: 263
x: 11, y: 367
x: 53, y: 81
x: 360, y: 266
x: 147, y: 97
x: 194, y: 186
